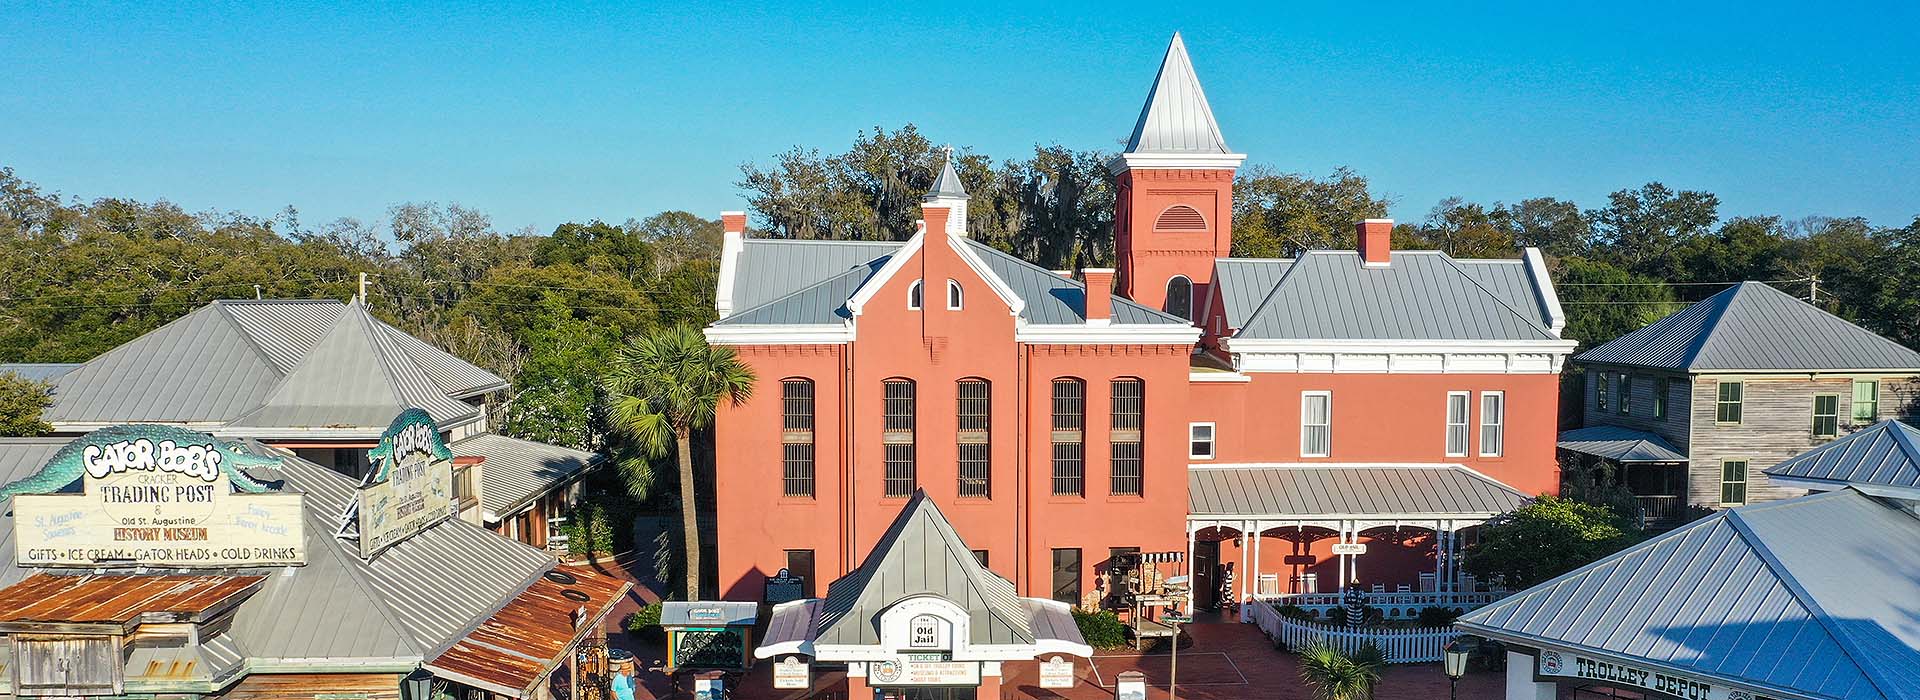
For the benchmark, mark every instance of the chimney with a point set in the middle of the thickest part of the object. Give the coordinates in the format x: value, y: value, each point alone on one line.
x: 1376, y: 242
x: 733, y: 224
x: 1064, y: 274
x: 1099, y: 282
x: 733, y: 235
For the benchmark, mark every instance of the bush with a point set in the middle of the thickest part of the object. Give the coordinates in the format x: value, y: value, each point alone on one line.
x: 1546, y: 538
x: 1435, y: 616
x: 645, y: 624
x: 1298, y: 613
x: 1101, y: 628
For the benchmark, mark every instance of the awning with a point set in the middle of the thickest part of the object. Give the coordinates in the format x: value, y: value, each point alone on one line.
x: 1397, y: 491
x: 708, y: 613
x: 119, y: 603
x: 1620, y: 444
x: 517, y: 648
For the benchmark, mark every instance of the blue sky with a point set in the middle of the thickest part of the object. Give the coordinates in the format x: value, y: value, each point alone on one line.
x: 540, y: 116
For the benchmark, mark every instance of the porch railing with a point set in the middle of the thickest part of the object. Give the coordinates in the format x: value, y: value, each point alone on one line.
x: 1659, y: 509
x: 1415, y: 645
x: 1392, y: 606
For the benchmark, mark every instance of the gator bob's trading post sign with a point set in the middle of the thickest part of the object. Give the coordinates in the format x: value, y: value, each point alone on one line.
x: 153, y: 495
x: 411, y: 487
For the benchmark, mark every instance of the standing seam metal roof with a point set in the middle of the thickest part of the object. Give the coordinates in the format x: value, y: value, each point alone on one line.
x: 1421, y: 295
x: 1884, y: 454
x: 197, y: 368
x: 772, y: 268
x: 922, y: 554
x: 1812, y: 595
x: 1752, y: 326
x: 353, y: 376
x: 1176, y: 117
x: 1309, y: 490
x: 517, y: 471
x: 1620, y: 444
x: 1242, y: 283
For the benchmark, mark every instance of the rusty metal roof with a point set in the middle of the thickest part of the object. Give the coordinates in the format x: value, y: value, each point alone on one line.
x: 529, y: 637
x: 121, y: 600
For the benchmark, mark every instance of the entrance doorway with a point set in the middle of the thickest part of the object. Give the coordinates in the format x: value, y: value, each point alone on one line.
x: 1205, y: 591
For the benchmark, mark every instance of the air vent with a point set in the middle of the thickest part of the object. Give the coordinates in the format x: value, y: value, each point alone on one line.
x: 575, y: 596
x: 561, y: 577
x: 1180, y: 217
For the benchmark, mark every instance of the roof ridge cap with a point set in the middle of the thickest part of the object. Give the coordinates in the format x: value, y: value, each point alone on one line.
x: 1267, y: 298
x: 802, y: 290
x: 1800, y: 594
x: 1710, y: 327
x: 252, y: 342
x: 1530, y: 323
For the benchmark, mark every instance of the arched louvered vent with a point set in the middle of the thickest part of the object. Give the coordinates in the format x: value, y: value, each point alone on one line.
x: 1180, y: 217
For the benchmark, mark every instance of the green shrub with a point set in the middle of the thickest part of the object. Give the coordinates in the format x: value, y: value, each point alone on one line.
x: 1298, y: 613
x: 1101, y: 628
x: 645, y: 624
x: 1435, y: 616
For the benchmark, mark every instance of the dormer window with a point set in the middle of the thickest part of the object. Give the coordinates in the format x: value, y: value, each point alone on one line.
x: 913, y: 296
x: 953, y: 295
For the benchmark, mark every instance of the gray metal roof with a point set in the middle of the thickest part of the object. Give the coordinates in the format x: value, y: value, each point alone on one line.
x: 1511, y: 282
x: 354, y: 376
x: 1176, y: 117
x: 947, y: 185
x: 682, y: 613
x: 415, y: 598
x: 921, y: 554
x: 1884, y: 454
x: 1754, y: 327
x: 224, y: 360
x: 771, y: 268
x: 1050, y: 298
x: 1812, y: 596
x: 1311, y: 490
x: 38, y: 371
x: 1244, y: 282
x: 1421, y: 295
x: 518, y: 471
x: 1620, y: 444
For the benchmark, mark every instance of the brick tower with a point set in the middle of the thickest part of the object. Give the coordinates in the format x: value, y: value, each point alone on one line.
x: 1173, y: 211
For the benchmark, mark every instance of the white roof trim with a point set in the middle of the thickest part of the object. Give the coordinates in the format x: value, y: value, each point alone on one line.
x: 1543, y: 284
x: 782, y: 334
x: 1111, y: 334
x: 1216, y: 376
x: 879, y: 279
x: 1174, y: 161
x: 731, y: 246
x: 1015, y: 304
x: 1390, y: 346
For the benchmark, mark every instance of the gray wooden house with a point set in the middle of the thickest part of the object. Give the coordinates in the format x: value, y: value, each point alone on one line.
x: 1693, y: 406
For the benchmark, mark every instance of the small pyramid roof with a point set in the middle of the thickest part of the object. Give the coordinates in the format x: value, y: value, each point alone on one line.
x: 947, y: 185
x: 354, y: 376
x: 1176, y: 118
x: 921, y: 554
x: 1753, y: 327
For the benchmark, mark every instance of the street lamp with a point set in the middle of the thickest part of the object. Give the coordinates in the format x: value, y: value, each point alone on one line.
x: 1454, y: 658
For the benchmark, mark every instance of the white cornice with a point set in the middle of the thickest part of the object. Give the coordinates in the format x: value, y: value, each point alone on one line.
x: 1175, y: 161
x: 1400, y: 356
x: 1543, y: 282
x: 1111, y: 334
x: 785, y: 334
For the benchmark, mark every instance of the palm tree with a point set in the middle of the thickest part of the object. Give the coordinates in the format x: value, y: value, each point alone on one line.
x: 1336, y: 676
x: 660, y: 388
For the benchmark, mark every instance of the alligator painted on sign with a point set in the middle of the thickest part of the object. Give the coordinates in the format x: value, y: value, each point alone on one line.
x: 411, y: 431
x: 122, y: 448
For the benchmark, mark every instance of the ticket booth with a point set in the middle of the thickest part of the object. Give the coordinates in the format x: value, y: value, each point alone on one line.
x: 708, y: 635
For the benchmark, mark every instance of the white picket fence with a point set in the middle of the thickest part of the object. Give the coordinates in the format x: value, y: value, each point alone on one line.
x: 1417, y: 645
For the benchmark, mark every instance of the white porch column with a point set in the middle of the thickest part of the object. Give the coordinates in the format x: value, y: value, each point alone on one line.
x: 1345, y: 561
x: 1187, y: 564
x: 1520, y: 684
x: 1240, y: 577
x: 1254, y: 588
x: 1439, y: 555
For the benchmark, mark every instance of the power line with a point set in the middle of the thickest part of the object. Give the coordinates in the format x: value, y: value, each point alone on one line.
x: 1670, y: 284
x: 163, y: 290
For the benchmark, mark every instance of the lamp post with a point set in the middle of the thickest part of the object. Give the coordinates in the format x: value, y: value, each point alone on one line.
x: 1454, y: 658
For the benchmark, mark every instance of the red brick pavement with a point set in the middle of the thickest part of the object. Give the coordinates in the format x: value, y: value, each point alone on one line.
x: 1226, y: 661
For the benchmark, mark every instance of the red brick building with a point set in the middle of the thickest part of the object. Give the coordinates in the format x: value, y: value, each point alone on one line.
x: 1056, y: 422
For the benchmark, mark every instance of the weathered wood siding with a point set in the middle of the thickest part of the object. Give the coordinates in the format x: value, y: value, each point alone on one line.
x: 1776, y: 423
x: 1639, y: 414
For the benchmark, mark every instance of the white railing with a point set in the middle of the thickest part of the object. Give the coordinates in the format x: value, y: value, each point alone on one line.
x: 1392, y: 605
x: 1417, y: 645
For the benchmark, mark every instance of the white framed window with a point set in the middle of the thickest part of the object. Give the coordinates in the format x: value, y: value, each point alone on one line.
x: 1458, y: 403
x: 913, y: 296
x: 1200, y: 441
x: 1826, y: 415
x: 1729, y: 402
x: 1493, y: 423
x: 1733, y: 482
x: 1316, y: 423
x: 1866, y: 401
x: 953, y: 295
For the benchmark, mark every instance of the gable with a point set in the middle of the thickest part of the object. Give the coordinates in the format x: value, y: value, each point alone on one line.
x: 198, y: 368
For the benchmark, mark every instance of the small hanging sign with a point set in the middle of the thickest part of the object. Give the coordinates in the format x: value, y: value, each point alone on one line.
x: 792, y: 673
x: 1056, y: 672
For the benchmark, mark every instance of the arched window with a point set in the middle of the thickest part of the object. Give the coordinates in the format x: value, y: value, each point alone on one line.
x: 975, y: 413
x: 796, y: 436
x: 953, y: 295
x: 913, y: 296
x: 1180, y: 217
x: 1180, y: 297
x: 897, y: 437
x: 1069, y: 437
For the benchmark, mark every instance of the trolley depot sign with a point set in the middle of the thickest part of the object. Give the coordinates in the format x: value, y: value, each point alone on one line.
x: 154, y: 495
x: 411, y: 486
x: 1556, y: 664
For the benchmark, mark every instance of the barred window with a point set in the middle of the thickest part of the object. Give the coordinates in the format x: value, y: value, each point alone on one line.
x: 1129, y: 405
x: 796, y: 436
x: 898, y: 435
x: 976, y: 451
x: 1180, y: 297
x: 1069, y: 437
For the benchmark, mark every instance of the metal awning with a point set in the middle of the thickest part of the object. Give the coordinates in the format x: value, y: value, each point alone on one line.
x: 708, y: 613
x: 1620, y: 444
x: 1296, y: 491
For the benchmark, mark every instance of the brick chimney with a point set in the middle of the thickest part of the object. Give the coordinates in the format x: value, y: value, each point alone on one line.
x: 733, y: 235
x: 1376, y: 241
x: 733, y: 223
x: 1099, y: 281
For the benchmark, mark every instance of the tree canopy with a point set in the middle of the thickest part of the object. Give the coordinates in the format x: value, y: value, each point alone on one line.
x: 1546, y: 538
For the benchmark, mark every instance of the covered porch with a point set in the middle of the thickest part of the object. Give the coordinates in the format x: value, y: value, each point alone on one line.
x: 1304, y: 534
x: 1646, y: 464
